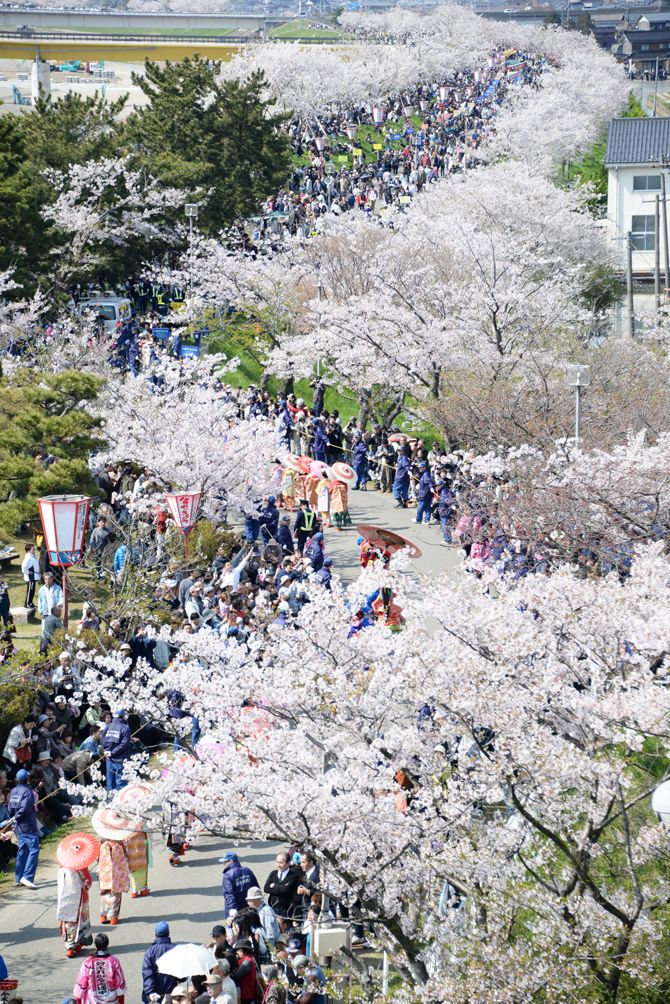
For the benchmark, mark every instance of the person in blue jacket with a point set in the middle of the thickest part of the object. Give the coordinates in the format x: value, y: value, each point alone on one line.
x: 424, y: 494
x: 314, y: 550
x: 320, y: 441
x: 236, y: 881
x: 269, y: 519
x: 22, y: 809
x: 401, y: 480
x: 285, y: 537
x: 154, y: 982
x: 359, y: 461
x: 117, y: 744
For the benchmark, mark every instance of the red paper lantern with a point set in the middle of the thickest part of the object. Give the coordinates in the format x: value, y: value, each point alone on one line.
x: 64, y: 521
x: 184, y: 508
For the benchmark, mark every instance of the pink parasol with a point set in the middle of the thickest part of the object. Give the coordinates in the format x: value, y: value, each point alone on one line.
x: 343, y: 472
x: 317, y: 467
x: 111, y: 825
x: 292, y: 463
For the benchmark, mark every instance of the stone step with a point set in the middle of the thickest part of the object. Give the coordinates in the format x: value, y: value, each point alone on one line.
x: 23, y: 615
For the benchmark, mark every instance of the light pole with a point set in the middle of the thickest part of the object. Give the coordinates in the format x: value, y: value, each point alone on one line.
x: 191, y: 211
x: 578, y: 376
x: 64, y: 521
x: 319, y: 294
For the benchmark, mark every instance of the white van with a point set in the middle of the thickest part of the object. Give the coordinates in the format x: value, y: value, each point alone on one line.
x: 110, y: 310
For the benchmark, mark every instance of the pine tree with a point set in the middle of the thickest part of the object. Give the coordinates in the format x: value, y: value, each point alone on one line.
x: 45, y: 414
x: 220, y: 140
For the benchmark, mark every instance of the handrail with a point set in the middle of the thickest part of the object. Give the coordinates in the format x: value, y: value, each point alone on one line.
x: 82, y: 36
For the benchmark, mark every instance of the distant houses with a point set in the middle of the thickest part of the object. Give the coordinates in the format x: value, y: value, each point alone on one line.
x: 636, y: 39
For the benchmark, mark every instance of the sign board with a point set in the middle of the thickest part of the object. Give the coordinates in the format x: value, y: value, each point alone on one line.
x: 357, y: 152
x: 377, y: 146
x: 160, y: 333
x: 189, y: 351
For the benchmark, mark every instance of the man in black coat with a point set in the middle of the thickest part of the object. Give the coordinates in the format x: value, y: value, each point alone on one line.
x: 282, y: 884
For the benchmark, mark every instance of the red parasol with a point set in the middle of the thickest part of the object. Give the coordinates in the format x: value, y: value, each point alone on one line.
x: 388, y: 539
x: 292, y: 463
x: 304, y: 464
x: 343, y: 472
x: 398, y: 437
x: 77, y: 851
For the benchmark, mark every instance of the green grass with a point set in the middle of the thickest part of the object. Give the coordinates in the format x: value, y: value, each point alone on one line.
x: 168, y: 32
x: 361, y: 143
x: 237, y: 338
x: 301, y: 29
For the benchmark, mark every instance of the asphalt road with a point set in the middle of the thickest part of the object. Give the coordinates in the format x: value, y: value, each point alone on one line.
x: 379, y: 509
x: 189, y: 898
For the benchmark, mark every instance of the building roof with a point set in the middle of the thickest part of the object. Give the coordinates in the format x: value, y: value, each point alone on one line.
x: 637, y: 141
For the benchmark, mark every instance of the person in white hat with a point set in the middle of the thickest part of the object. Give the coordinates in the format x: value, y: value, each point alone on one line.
x: 266, y: 915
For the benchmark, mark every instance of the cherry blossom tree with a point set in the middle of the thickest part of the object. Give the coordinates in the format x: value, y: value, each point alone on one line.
x: 104, y: 206
x: 181, y: 424
x: 482, y: 279
x: 522, y: 793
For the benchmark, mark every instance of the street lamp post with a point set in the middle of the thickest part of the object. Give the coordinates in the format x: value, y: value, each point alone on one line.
x: 191, y: 211
x: 578, y: 376
x: 319, y: 294
x: 64, y: 521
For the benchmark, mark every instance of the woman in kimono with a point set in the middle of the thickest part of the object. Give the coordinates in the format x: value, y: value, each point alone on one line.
x: 323, y: 500
x: 101, y: 979
x: 73, y: 910
x: 339, y: 513
x: 114, y: 879
x: 137, y: 850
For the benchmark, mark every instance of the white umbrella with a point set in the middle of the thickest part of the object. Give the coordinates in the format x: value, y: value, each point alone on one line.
x: 184, y: 961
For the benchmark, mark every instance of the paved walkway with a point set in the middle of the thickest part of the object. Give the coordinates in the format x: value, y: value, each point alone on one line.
x: 379, y: 509
x: 188, y: 897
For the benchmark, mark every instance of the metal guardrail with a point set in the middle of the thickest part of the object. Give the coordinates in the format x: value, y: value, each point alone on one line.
x: 83, y: 36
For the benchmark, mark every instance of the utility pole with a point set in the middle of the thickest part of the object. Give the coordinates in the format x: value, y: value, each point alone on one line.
x: 319, y: 293
x: 666, y: 250
x: 657, y: 253
x: 630, y: 315
x: 655, y: 89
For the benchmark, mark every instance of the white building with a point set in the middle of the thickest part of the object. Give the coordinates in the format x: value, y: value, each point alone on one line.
x: 636, y: 157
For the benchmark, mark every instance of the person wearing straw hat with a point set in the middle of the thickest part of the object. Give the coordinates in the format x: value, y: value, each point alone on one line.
x: 114, y: 879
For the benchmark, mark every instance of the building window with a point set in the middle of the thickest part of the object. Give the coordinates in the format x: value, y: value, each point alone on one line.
x: 645, y: 48
x: 646, y: 183
x: 643, y: 233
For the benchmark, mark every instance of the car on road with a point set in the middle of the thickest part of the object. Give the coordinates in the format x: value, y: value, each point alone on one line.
x: 111, y: 310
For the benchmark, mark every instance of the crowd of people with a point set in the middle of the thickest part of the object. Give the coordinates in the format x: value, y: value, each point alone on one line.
x: 261, y: 953
x: 417, y: 138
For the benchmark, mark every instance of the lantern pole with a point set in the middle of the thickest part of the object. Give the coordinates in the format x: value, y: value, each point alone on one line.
x: 65, y: 598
